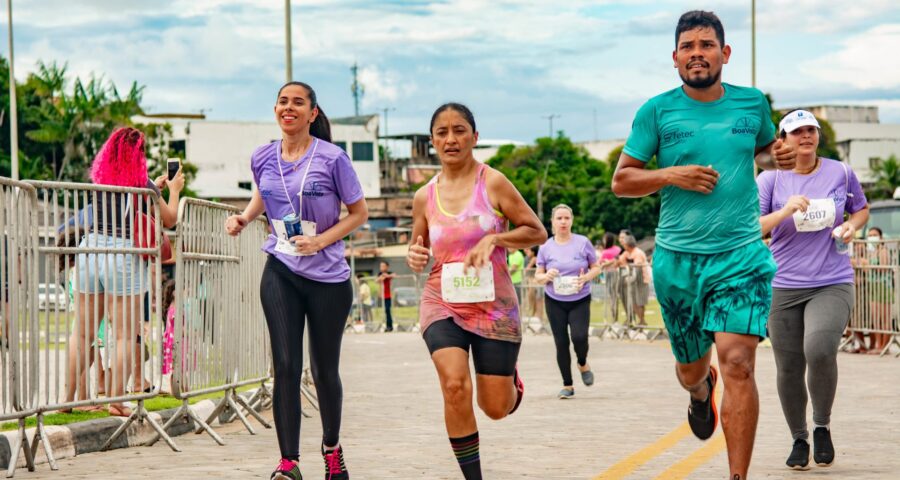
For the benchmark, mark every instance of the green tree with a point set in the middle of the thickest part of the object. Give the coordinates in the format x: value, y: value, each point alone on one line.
x: 887, y: 178
x: 61, y: 129
x: 575, y: 178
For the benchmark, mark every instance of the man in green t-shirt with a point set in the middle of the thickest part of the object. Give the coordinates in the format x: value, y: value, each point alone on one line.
x: 711, y: 270
x: 516, y: 262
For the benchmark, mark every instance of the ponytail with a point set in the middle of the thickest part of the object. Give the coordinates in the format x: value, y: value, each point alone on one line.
x: 320, y: 127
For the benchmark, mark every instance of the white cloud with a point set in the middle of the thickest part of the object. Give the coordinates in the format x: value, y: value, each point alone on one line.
x: 819, y: 16
x: 867, y: 60
x: 383, y: 87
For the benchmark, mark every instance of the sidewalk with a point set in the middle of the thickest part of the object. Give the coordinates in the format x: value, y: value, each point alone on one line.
x: 393, y: 424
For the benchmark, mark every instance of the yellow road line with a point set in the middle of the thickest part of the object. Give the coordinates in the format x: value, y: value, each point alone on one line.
x: 690, y: 463
x: 635, y: 460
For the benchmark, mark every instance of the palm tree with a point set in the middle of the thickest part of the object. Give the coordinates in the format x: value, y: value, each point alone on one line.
x: 887, y: 178
x: 77, y: 123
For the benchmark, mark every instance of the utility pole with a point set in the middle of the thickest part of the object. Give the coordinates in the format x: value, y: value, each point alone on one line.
x: 289, y: 60
x: 13, y: 110
x: 357, y: 88
x: 550, y: 119
x: 540, y: 191
x: 385, y: 110
x: 596, y: 137
x: 753, y: 42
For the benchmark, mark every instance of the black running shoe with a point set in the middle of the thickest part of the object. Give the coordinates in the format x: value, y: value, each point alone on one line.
x: 702, y: 415
x: 823, y: 449
x: 799, y: 458
x: 334, y: 464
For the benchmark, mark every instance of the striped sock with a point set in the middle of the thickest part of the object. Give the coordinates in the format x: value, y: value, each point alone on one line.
x: 466, y: 451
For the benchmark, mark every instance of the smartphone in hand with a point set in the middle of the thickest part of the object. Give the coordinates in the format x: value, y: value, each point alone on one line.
x: 174, y: 165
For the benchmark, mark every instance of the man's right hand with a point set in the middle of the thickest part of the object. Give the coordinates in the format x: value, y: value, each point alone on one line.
x: 417, y: 256
x: 234, y: 224
x: 695, y: 178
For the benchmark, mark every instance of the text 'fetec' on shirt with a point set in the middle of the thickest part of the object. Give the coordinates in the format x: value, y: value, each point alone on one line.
x: 331, y: 181
x: 723, y: 134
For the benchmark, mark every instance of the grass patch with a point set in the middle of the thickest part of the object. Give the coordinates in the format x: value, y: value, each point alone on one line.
x: 155, y: 404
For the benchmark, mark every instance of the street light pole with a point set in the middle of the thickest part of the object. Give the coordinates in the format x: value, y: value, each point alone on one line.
x: 550, y: 119
x: 13, y: 111
x: 386, y: 110
x: 289, y: 61
x: 540, y: 191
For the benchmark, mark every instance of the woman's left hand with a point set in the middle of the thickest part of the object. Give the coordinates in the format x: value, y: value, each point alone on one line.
x: 306, y: 245
x: 480, y: 255
x: 848, y: 232
x: 582, y: 280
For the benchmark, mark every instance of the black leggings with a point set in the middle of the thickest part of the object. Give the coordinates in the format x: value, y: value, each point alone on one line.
x: 287, y: 299
x: 566, y: 316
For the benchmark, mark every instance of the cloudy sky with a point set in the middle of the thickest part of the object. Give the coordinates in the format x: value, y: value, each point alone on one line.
x: 512, y: 61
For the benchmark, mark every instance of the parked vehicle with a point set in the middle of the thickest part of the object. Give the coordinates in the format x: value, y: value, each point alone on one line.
x: 406, y: 296
x: 885, y: 214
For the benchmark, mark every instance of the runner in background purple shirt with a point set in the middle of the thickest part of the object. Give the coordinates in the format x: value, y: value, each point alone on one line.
x: 566, y: 264
x: 806, y: 211
x: 305, y: 176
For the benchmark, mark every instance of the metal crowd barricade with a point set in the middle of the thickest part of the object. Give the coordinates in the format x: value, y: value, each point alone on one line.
x: 19, y: 373
x: 627, y: 290
x: 531, y: 304
x: 98, y: 268
x: 220, y: 341
x: 877, y: 290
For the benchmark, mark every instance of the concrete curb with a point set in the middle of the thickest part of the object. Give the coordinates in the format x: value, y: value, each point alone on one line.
x: 85, y: 437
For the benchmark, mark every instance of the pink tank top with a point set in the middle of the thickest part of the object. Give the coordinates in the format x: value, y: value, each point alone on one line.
x: 451, y: 237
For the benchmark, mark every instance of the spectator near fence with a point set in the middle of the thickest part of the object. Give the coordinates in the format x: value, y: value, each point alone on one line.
x: 635, y: 276
x: 607, y: 257
x: 515, y: 260
x: 365, y: 298
x: 386, y: 277
x: 879, y: 285
x: 113, y: 285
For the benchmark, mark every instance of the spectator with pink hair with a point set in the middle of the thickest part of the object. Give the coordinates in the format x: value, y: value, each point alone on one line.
x: 114, y: 285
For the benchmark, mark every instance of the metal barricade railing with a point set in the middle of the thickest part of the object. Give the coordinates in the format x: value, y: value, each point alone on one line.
x: 98, y: 261
x: 619, y: 297
x: 371, y: 315
x: 219, y: 341
x: 531, y: 304
x: 19, y: 350
x: 876, y: 312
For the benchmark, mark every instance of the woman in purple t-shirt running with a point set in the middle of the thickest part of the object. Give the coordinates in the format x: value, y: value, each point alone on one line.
x: 301, y: 181
x: 566, y: 265
x: 812, y: 295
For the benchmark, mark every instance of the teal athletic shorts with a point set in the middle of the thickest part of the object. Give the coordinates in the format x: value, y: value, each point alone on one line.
x: 701, y: 294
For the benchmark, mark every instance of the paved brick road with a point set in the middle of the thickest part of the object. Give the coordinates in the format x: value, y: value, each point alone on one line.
x: 393, y: 424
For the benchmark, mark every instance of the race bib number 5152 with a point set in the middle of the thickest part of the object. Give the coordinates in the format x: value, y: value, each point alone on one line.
x: 472, y: 286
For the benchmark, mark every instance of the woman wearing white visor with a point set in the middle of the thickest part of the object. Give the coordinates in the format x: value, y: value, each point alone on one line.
x: 812, y: 212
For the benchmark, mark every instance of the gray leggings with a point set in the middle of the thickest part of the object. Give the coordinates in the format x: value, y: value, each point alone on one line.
x: 805, y: 325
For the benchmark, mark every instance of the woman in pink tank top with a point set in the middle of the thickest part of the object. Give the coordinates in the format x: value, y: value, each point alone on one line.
x: 461, y: 218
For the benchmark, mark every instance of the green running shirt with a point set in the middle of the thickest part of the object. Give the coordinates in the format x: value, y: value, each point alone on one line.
x: 723, y: 134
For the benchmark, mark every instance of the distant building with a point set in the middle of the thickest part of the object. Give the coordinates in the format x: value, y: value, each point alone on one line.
x: 221, y: 151
x: 861, y: 139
